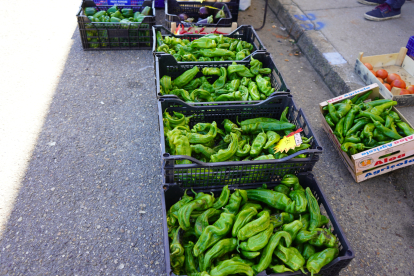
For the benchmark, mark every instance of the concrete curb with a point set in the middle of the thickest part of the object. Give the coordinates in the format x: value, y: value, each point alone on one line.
x: 340, y: 78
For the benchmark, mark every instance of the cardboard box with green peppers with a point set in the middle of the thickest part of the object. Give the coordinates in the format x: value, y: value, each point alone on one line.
x: 369, y: 132
x: 249, y: 231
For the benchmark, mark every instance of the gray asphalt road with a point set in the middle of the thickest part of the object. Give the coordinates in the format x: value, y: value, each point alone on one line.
x: 90, y: 201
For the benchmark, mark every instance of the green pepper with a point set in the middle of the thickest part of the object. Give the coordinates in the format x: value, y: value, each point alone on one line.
x: 186, y: 77
x: 235, y: 202
x: 243, y: 151
x: 282, y: 189
x: 194, y: 84
x: 189, y: 262
x: 362, y: 98
x: 251, y: 204
x: 377, y: 110
x: 245, y: 81
x: 254, y: 93
x: 266, y: 255
x: 219, y: 249
x: 291, y: 181
x: 386, y: 131
x: 329, y: 120
x: 394, y: 115
x: 223, y: 199
x: 353, y: 138
x: 358, y: 147
x: 280, y: 268
x: 221, y: 81
x: 233, y: 96
x: 303, y: 236
x: 233, y: 85
x: 379, y: 136
x: 182, y: 147
x: 299, y: 197
x: 231, y: 267
x: 240, y: 55
x: 177, y: 257
x: 359, y: 125
x: 333, y: 113
x: 242, y: 218
x: 308, y: 251
x: 302, y: 146
x: 343, y: 108
x: 245, y: 73
x: 320, y: 259
x: 314, y: 211
x: 184, y: 200
x: 216, y: 53
x: 211, y: 71
x: 405, y: 128
x: 293, y: 228
x: 255, y: 128
x: 255, y: 65
x: 249, y: 254
x: 273, y: 199
x: 370, y: 115
x: 349, y: 118
x: 255, y: 226
x: 203, y: 44
x: 196, y: 138
x: 90, y: 11
x: 339, y: 130
x: 213, y: 233
x: 367, y: 132
x: 258, y: 241
x: 291, y: 257
x: 258, y: 144
x: 223, y: 155
x: 245, y: 93
x: 202, y: 220
x: 146, y: 11
x: 201, y: 94
x: 235, y: 68
x: 272, y: 137
x: 201, y: 202
x: 264, y: 86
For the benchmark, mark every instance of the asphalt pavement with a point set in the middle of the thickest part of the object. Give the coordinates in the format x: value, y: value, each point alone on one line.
x: 89, y: 201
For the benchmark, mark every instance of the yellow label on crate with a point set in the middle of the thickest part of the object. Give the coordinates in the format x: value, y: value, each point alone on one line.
x: 288, y: 142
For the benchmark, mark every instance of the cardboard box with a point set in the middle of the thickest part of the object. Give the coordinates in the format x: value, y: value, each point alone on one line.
x: 376, y: 161
x: 398, y: 63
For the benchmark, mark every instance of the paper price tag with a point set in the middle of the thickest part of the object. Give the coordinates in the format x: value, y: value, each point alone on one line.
x: 288, y: 142
x: 119, y: 2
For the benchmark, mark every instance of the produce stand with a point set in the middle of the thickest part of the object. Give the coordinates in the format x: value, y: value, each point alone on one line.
x: 375, y: 161
x: 236, y: 172
x: 398, y: 63
x: 97, y: 36
x: 168, y: 65
x: 172, y: 192
x: 244, y: 33
x: 173, y: 9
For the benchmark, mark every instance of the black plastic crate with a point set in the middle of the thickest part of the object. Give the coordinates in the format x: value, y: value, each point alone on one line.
x: 116, y: 36
x: 172, y: 193
x: 168, y: 65
x: 200, y: 174
x: 233, y: 6
x: 244, y: 33
x: 174, y: 8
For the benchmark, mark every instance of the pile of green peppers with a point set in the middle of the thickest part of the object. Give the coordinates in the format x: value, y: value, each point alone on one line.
x: 252, y: 139
x: 211, y: 47
x: 127, y: 17
x: 234, y: 83
x: 249, y: 231
x: 361, y: 125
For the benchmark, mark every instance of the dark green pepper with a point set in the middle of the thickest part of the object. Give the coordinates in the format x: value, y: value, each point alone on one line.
x: 320, y: 259
x: 189, y: 262
x: 272, y: 138
x: 377, y: 110
x: 349, y: 118
x: 316, y: 219
x: 255, y: 226
x: 177, y: 257
x: 304, y: 236
x: 308, y: 250
x: 200, y: 203
x: 213, y: 233
x: 299, y: 197
x: 221, y: 81
x: 291, y: 257
x: 329, y: 120
x: 405, y: 128
x: 242, y: 218
x: 90, y: 11
x: 282, y: 189
x: 367, y: 132
x: 223, y: 199
x: 362, y: 98
x: 386, y: 131
x: 333, y: 113
x: 280, y: 219
x: 186, y: 77
x: 202, y: 220
x: 258, y: 144
x: 266, y: 255
x: 223, y: 155
x: 258, y: 241
x: 358, y: 125
x: 235, y: 202
x: 353, y: 138
x: 273, y: 199
x: 293, y: 228
x: 219, y: 249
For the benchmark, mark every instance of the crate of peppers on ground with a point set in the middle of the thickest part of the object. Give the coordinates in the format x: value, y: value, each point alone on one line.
x: 237, y: 154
